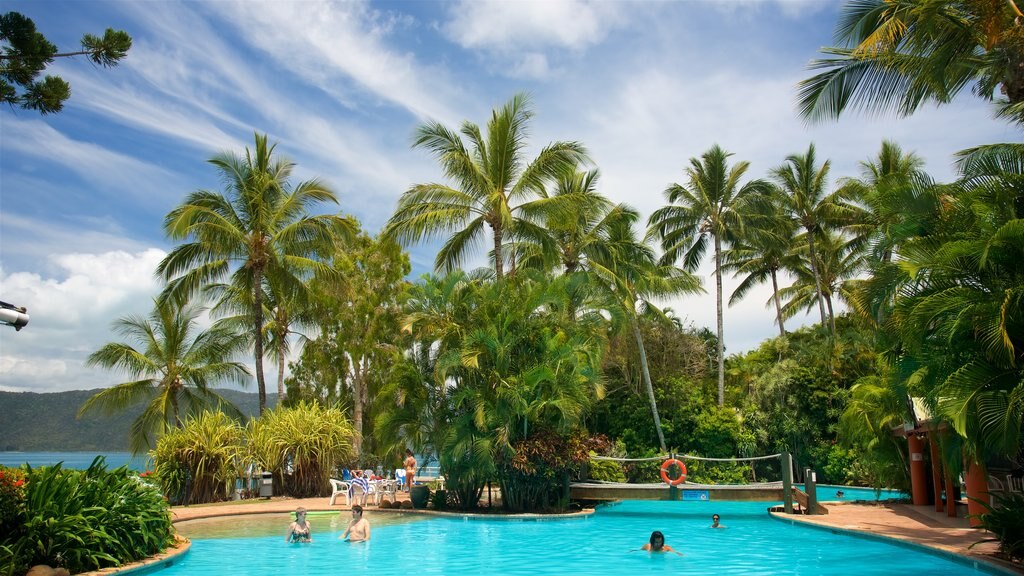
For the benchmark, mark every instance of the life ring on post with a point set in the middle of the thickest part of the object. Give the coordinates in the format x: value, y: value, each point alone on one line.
x: 664, y: 472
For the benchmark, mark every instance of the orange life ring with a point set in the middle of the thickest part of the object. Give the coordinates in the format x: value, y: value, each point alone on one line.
x: 664, y: 472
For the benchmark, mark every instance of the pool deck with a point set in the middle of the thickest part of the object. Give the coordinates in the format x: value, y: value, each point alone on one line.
x: 920, y: 525
x: 265, y: 506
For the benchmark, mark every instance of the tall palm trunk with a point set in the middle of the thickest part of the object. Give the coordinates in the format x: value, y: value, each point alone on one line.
x: 721, y: 321
x: 358, y: 400
x: 817, y: 277
x: 280, y: 375
x: 778, y: 303
x: 499, y: 264
x: 647, y: 382
x: 257, y: 322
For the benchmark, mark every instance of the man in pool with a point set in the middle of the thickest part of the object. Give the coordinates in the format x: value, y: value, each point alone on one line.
x: 657, y: 544
x: 715, y: 521
x: 359, y: 528
x: 839, y: 493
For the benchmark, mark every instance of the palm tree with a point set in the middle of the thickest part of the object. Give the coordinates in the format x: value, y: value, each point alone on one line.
x: 838, y: 264
x: 803, y: 183
x: 491, y: 183
x: 631, y: 277
x: 711, y: 208
x: 260, y: 226
x: 174, y: 365
x: 902, y: 54
x: 891, y: 198
x: 765, y: 249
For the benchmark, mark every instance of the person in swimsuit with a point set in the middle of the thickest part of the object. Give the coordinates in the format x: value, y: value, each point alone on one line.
x: 716, y: 522
x: 299, y: 531
x: 359, y: 528
x: 410, y: 468
x: 657, y: 544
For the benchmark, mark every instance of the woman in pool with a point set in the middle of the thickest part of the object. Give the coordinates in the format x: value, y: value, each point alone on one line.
x: 299, y: 531
x: 657, y: 544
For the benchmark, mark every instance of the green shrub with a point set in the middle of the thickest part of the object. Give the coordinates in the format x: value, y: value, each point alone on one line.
x: 12, y: 499
x: 197, y: 462
x: 606, y: 470
x: 1005, y: 519
x: 86, y: 520
x: 302, y: 445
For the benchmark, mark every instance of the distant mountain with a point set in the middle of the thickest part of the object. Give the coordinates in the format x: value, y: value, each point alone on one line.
x: 32, y: 422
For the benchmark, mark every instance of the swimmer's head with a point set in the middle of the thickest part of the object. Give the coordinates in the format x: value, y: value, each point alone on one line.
x: 657, y: 540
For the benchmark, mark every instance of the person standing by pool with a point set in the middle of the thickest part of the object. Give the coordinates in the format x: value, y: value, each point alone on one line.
x: 657, y: 544
x: 715, y: 521
x: 410, y: 468
x: 299, y: 531
x: 359, y: 528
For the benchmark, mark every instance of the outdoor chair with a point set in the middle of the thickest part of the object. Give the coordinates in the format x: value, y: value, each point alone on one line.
x: 340, y: 487
x: 995, y: 484
x: 1015, y: 484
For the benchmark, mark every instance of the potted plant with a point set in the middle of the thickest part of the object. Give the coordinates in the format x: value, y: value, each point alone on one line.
x: 419, y: 494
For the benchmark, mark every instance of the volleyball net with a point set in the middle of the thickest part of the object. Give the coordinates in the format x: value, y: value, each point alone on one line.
x: 689, y: 469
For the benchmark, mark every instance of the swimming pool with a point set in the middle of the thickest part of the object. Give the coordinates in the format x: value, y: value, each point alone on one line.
x: 601, y: 543
x: 827, y: 493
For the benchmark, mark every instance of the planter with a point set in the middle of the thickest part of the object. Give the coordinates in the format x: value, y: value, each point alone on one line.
x: 419, y: 494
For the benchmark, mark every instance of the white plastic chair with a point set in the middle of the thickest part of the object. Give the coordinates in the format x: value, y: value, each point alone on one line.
x: 1015, y: 484
x: 995, y: 485
x: 358, y: 494
x: 339, y: 487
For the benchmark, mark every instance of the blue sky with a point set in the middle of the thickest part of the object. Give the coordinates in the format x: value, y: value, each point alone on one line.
x: 341, y: 87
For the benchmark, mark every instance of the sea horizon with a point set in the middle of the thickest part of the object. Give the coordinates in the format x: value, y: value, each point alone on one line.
x: 78, y: 460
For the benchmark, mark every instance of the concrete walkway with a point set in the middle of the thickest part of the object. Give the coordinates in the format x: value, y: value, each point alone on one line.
x: 917, y: 524
x: 264, y: 506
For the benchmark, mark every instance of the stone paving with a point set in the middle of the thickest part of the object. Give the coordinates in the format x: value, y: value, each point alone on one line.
x: 917, y: 524
x: 265, y: 506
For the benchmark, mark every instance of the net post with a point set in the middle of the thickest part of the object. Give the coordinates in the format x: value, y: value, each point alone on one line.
x: 787, y: 481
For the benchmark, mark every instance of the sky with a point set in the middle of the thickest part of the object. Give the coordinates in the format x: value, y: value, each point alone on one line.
x: 341, y: 86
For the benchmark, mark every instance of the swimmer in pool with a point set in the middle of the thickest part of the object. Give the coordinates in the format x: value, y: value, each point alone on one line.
x: 657, y: 544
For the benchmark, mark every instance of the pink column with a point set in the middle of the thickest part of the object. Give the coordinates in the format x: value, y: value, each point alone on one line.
x: 933, y: 445
x: 918, y: 473
x: 977, y: 492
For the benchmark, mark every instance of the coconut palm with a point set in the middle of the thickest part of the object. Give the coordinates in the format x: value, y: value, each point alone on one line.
x: 899, y: 55
x: 491, y: 182
x: 765, y: 249
x: 710, y: 208
x: 173, y: 365
x: 891, y: 199
x: 631, y: 277
x: 838, y: 264
x: 259, y: 226
x: 802, y: 183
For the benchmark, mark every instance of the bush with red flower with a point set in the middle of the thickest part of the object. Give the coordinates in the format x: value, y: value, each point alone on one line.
x: 12, y: 499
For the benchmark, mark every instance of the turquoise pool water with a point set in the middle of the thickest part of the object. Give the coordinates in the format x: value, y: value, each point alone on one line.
x: 827, y: 493
x: 602, y: 543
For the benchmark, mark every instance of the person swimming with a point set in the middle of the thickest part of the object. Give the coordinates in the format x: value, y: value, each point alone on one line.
x: 716, y: 521
x: 657, y: 544
x: 299, y: 531
x: 839, y: 493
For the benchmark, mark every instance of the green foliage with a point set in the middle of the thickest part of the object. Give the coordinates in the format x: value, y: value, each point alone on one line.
x: 172, y: 365
x: 1005, y: 519
x: 26, y: 53
x: 86, y: 520
x: 12, y: 499
x: 302, y: 444
x: 606, y: 470
x: 536, y: 477
x: 195, y: 463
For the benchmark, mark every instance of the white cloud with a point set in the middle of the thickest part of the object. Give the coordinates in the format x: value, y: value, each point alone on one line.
x: 70, y: 314
x: 507, y: 26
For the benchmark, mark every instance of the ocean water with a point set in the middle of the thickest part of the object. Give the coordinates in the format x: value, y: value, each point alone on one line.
x: 75, y: 460
x: 606, y: 542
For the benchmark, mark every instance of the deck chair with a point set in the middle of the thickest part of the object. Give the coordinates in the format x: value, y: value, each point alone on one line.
x: 995, y: 484
x: 1014, y: 484
x: 340, y: 487
x: 359, y: 490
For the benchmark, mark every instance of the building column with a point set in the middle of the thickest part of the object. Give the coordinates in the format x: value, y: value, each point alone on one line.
x: 933, y: 445
x: 918, y: 473
x: 950, y: 493
x: 977, y: 492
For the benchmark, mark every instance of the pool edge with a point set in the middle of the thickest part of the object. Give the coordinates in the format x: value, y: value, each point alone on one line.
x: 982, y: 563
x: 158, y: 562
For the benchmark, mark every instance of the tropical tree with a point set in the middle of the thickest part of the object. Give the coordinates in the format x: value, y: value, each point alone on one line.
x: 802, y: 183
x: 491, y: 184
x: 631, y: 278
x: 259, y: 227
x: 25, y: 54
x: 890, y: 200
x: 710, y: 208
x: 173, y: 365
x: 838, y: 265
x: 899, y: 55
x: 765, y: 249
